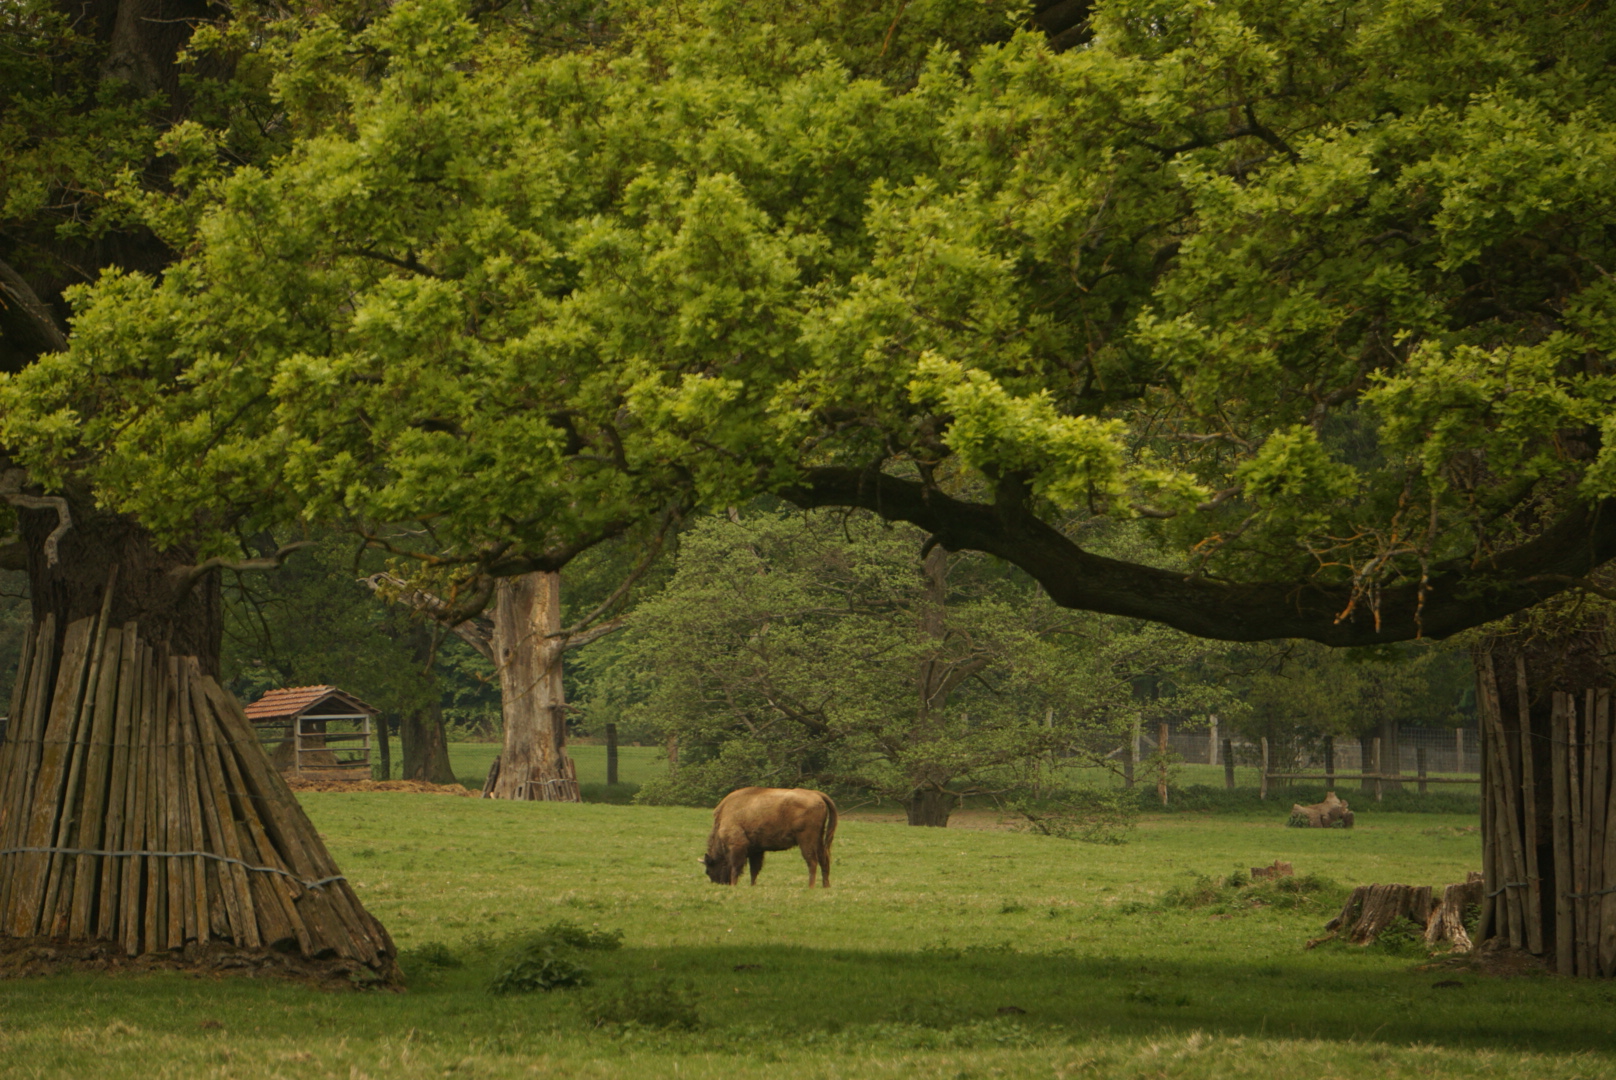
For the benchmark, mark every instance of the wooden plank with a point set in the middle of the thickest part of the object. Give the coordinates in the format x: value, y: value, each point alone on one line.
x: 16, y: 744
x: 1492, y: 905
x: 1582, y: 831
x: 179, y: 903
x: 1528, y: 765
x: 56, y: 915
x: 25, y: 765
x: 97, y: 781
x: 154, y: 921
x: 45, y: 804
x: 333, y: 910
x: 1598, y: 807
x: 273, y: 895
x: 106, y: 926
x: 191, y: 807
x: 1559, y: 756
x: 218, y: 815
x: 1513, y: 868
x: 1262, y: 790
x: 132, y: 888
x: 1579, y: 851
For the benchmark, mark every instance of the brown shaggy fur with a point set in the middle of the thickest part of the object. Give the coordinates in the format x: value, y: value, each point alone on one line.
x: 750, y: 821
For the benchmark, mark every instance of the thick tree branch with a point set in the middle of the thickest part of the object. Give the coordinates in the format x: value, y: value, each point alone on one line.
x: 1459, y: 594
x: 17, y: 294
x: 186, y: 576
x: 11, y: 482
x: 467, y: 630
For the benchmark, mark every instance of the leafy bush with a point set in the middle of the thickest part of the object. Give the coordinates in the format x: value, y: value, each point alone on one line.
x: 660, y: 1005
x: 548, y: 959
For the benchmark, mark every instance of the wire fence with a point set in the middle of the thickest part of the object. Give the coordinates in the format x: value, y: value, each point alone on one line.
x: 1447, y: 750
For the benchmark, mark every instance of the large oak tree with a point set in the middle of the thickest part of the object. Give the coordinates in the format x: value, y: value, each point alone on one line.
x: 1321, y: 288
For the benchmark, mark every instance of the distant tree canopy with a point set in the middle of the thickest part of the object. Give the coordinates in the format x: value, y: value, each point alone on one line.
x: 792, y: 649
x: 1320, y: 288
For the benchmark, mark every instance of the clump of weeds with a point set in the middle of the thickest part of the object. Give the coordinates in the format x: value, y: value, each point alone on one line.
x: 549, y: 959
x: 662, y: 1004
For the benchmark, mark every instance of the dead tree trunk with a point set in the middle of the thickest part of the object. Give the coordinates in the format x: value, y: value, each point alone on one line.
x: 528, y: 646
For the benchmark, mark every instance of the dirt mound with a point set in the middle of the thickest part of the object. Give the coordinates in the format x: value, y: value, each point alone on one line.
x: 419, y: 787
x: 26, y: 957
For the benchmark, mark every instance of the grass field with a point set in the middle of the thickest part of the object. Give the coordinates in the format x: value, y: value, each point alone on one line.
x: 1127, y: 961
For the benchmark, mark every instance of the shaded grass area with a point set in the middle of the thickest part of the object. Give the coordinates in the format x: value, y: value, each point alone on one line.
x: 1140, y: 960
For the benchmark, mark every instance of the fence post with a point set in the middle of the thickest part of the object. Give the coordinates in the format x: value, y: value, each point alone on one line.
x: 1419, y: 756
x: 1131, y: 758
x: 1458, y: 749
x: 611, y: 753
x: 1228, y: 764
x: 1212, y: 741
x: 1161, y: 762
x: 1329, y: 763
x: 1262, y: 784
x: 1375, y: 752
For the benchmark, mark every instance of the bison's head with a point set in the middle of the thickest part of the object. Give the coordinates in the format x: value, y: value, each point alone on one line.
x: 717, y: 869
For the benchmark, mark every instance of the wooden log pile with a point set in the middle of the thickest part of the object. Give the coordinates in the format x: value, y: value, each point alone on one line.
x: 138, y: 808
x: 1548, y: 857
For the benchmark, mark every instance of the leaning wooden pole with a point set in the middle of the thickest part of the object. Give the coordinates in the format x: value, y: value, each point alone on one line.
x: 1560, y: 759
x: 140, y: 815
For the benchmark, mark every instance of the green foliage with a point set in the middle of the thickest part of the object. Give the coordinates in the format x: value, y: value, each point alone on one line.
x: 1217, y: 268
x: 793, y: 650
x: 548, y: 959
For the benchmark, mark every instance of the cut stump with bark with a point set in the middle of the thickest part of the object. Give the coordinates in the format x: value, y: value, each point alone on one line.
x: 1372, y: 909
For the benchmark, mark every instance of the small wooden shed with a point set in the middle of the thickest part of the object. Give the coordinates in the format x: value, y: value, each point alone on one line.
x: 319, y: 732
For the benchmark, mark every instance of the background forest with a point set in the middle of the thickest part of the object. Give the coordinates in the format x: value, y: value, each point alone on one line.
x: 773, y: 646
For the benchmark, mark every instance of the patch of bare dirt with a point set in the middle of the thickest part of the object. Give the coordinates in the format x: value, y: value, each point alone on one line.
x: 419, y: 787
x: 1495, y: 959
x: 22, y: 958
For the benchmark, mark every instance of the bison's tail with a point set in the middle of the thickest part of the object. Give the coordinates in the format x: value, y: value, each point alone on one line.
x: 829, y: 833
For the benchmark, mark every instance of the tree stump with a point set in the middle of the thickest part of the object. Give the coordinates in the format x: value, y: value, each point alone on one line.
x: 1371, y: 909
x: 1447, y: 921
x: 1332, y: 813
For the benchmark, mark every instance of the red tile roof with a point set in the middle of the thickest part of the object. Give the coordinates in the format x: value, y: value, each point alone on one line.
x: 293, y: 701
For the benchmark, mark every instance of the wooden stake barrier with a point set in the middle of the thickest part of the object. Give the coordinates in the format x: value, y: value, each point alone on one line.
x: 138, y: 807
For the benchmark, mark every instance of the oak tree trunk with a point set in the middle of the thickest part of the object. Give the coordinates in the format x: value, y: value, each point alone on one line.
x: 421, y: 732
x: 426, y: 746
x: 533, y: 762
x: 929, y: 806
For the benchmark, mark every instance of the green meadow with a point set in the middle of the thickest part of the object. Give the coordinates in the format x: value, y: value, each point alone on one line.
x: 965, y: 952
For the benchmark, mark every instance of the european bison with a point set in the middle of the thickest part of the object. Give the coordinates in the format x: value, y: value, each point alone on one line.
x: 752, y: 820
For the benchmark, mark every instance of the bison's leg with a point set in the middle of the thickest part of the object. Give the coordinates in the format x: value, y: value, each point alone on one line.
x: 824, y: 869
x: 754, y: 859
